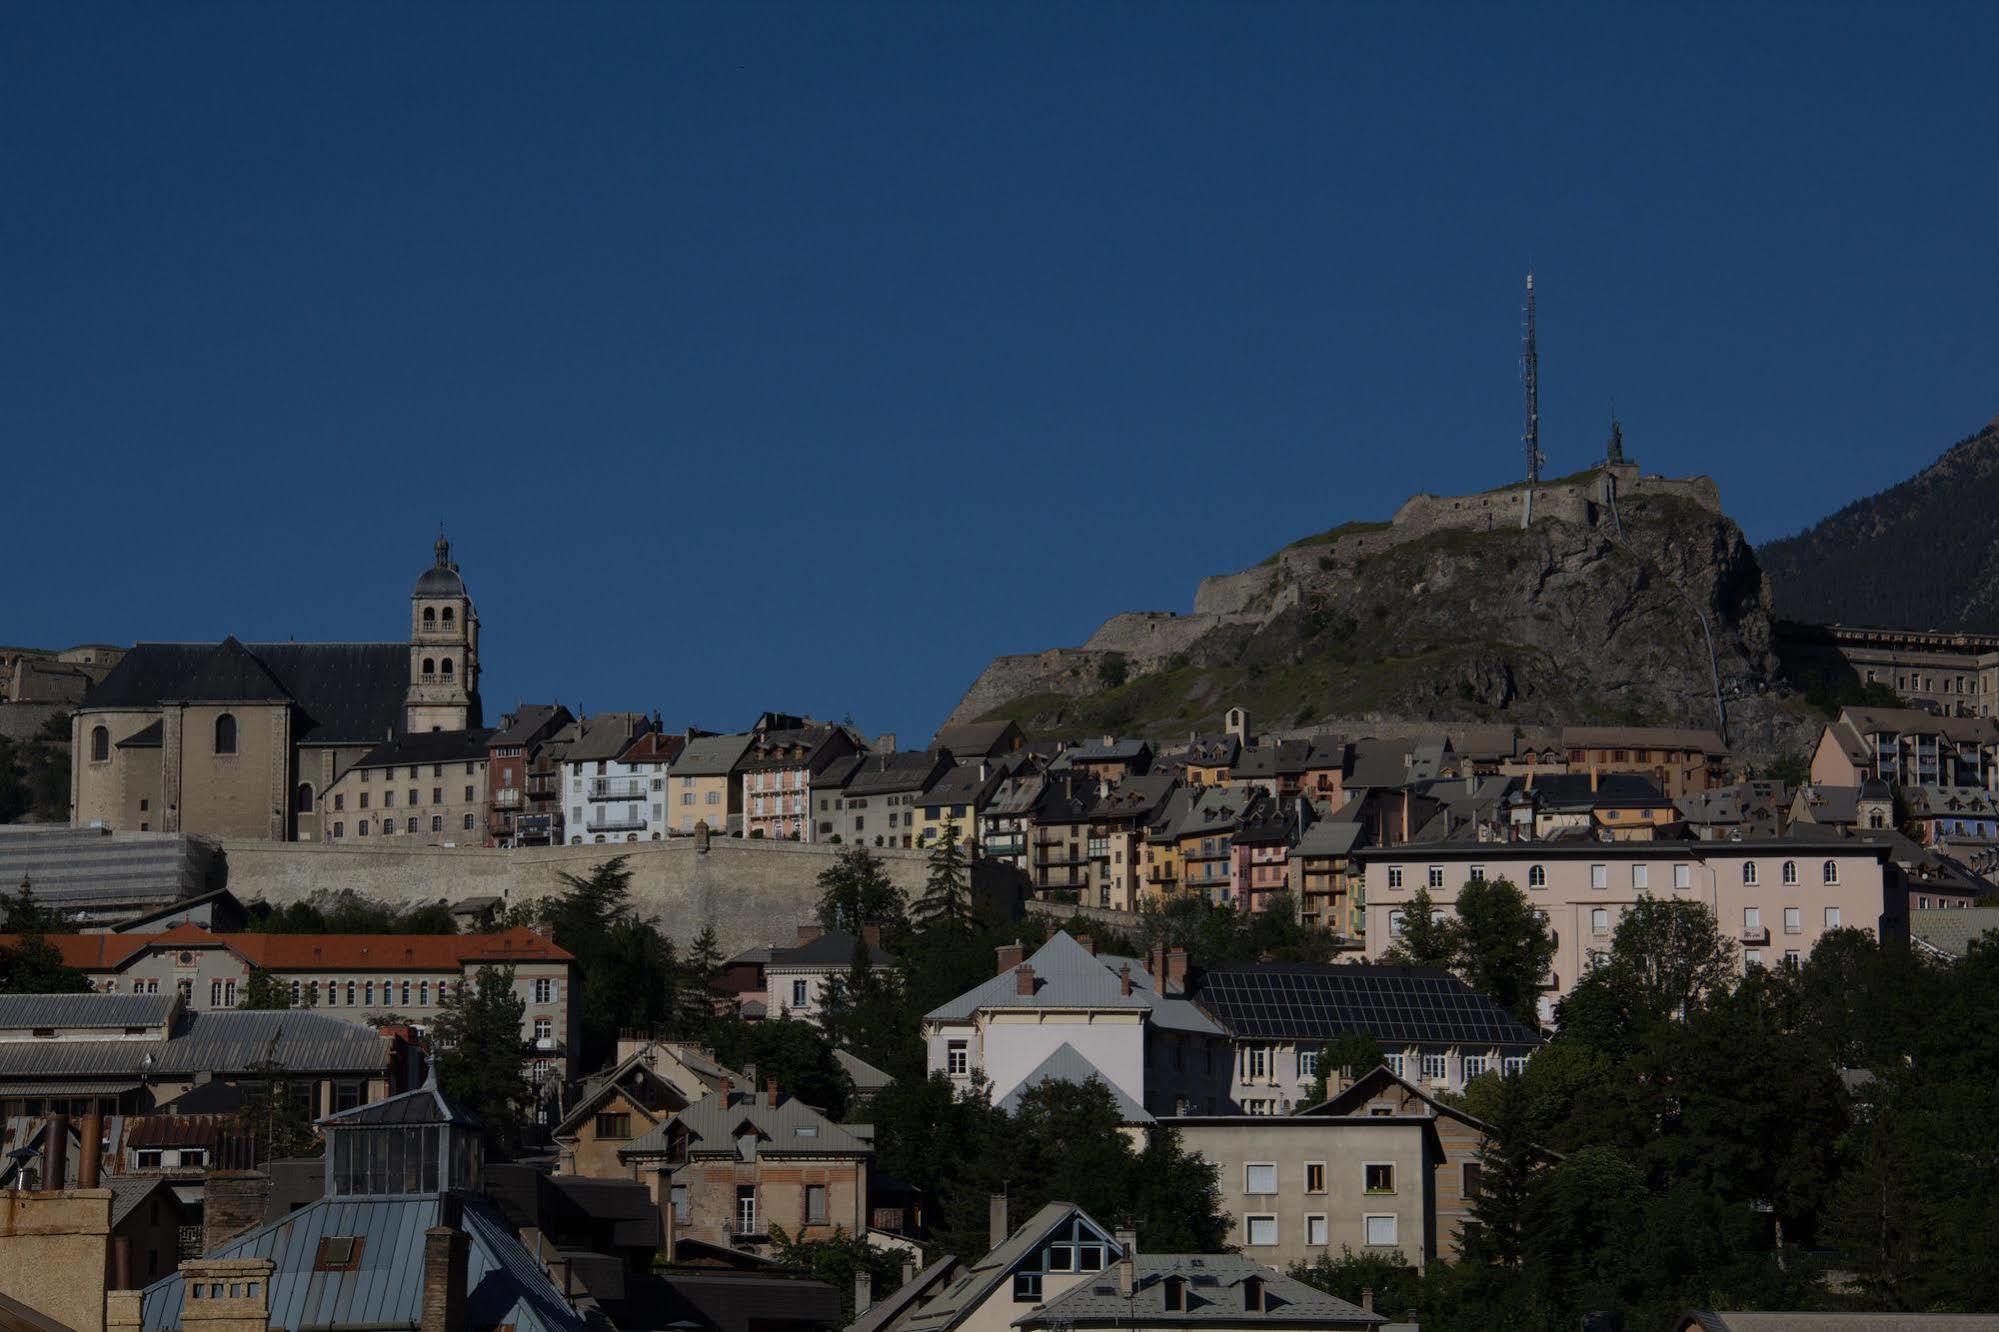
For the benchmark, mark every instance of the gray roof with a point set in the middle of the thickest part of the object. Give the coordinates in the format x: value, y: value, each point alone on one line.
x: 351, y: 692
x: 1213, y: 1296
x: 890, y: 1307
x: 1066, y: 975
x: 606, y: 735
x: 908, y: 771
x: 834, y: 948
x: 971, y: 738
x: 1108, y: 751
x: 527, y: 720
x: 969, y: 1287
x: 424, y: 1105
x: 1950, y: 930
x: 1067, y: 1064
x: 789, y: 1127
x: 962, y: 785
x: 128, y: 1191
x: 711, y: 756
x: 865, y: 1076
x: 85, y: 1010
x: 504, y: 1285
x: 1328, y: 838
x: 227, y: 1042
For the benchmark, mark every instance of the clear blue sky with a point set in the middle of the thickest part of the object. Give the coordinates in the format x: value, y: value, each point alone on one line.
x: 807, y: 356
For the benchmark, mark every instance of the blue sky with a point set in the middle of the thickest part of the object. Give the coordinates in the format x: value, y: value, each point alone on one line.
x: 807, y: 356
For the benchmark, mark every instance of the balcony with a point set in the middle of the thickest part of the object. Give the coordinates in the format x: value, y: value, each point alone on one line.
x: 1753, y: 934
x: 617, y: 788
x: 605, y: 821
x: 507, y: 797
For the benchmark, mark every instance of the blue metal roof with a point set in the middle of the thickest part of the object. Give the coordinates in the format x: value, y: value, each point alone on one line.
x: 504, y: 1284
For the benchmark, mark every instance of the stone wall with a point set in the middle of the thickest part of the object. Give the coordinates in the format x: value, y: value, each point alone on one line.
x: 1066, y: 671
x: 751, y: 891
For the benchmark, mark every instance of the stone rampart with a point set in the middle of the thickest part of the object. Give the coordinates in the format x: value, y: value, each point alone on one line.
x: 1066, y: 671
x: 751, y: 891
x: 1148, y: 638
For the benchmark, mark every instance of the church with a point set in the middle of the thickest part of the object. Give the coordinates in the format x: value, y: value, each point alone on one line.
x: 241, y: 740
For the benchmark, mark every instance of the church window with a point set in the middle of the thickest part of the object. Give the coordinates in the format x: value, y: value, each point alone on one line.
x: 429, y: 667
x: 429, y: 617
x: 302, y: 798
x: 225, y: 734
x: 100, y: 744
x: 447, y: 615
x: 445, y: 668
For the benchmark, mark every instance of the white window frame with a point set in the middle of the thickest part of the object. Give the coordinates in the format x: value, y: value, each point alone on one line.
x: 1829, y: 872
x: 1683, y: 876
x: 1394, y: 876
x: 1641, y: 876
x: 1317, y: 1235
x: 1249, y: 1181
x: 1794, y: 920
x: 1788, y: 874
x: 1599, y: 875
x: 1367, y: 1221
x: 1832, y: 917
x: 1435, y: 876
x: 1599, y: 920
x: 1537, y: 876
x: 957, y: 1058
x: 1249, y: 1223
x: 1442, y: 1064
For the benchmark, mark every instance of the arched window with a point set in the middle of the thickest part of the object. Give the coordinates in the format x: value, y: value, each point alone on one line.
x: 1537, y: 876
x: 447, y: 617
x: 100, y: 744
x: 1749, y: 871
x: 429, y: 617
x: 1790, y: 871
x: 445, y: 667
x: 302, y: 798
x: 225, y: 734
x: 429, y: 667
x: 1829, y: 872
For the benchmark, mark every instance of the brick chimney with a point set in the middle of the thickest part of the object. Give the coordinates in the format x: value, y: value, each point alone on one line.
x: 871, y: 935
x: 725, y: 1085
x: 235, y: 1294
x: 806, y: 934
x: 444, y: 1280
x: 1023, y: 980
x: 1157, y: 967
x: 770, y: 1090
x: 1009, y: 956
x: 1124, y: 979
x: 1176, y: 966
x: 234, y: 1201
x: 1127, y: 1262
x: 1089, y: 944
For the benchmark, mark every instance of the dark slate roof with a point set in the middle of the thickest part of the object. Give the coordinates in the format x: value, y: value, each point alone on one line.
x: 1572, y: 790
x: 785, y: 1126
x: 350, y: 692
x: 835, y: 948
x: 428, y: 747
x: 147, y: 737
x: 711, y: 756
x: 441, y: 578
x: 527, y: 720
x: 1395, y: 1005
x: 881, y: 773
x: 230, y: 674
x: 85, y: 1010
x: 606, y: 735
x: 969, y: 739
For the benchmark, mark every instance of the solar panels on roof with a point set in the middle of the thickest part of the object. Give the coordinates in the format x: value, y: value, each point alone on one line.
x: 1395, y: 1005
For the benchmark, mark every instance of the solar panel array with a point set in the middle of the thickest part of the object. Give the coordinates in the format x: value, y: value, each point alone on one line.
x: 1395, y: 1005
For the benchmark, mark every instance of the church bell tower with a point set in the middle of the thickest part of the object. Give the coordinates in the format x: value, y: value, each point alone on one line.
x: 444, y: 650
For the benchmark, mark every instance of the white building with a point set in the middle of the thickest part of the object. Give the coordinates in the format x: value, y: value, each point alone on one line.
x: 614, y: 780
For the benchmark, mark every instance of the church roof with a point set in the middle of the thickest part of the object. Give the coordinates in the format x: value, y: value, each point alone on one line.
x: 350, y: 692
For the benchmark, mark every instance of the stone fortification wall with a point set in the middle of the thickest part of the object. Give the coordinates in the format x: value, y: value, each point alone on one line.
x: 1236, y: 593
x: 1067, y: 671
x: 1147, y: 638
x: 751, y: 891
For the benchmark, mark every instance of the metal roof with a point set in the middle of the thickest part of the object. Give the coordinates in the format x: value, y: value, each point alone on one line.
x: 225, y: 1043
x: 785, y: 1126
x: 1213, y: 1294
x: 85, y: 1010
x: 1066, y: 975
x: 385, y: 1289
x: 968, y: 1288
x: 424, y: 1105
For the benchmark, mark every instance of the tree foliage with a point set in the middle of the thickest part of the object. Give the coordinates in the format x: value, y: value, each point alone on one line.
x: 31, y: 964
x: 347, y: 912
x: 855, y: 892
x: 479, y: 1053
x: 946, y: 903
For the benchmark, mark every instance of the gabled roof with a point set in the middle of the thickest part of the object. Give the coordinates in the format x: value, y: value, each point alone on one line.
x: 785, y: 1126
x: 1949, y: 931
x: 425, y: 1105
x: 711, y: 756
x: 129, y: 1191
x: 972, y: 739
x: 428, y: 747
x: 1067, y: 1064
x: 600, y: 1089
x: 230, y: 674
x: 878, y: 774
x: 834, y: 948
x: 1212, y: 1295
x: 1577, y: 790
x: 1065, y: 976
x: 606, y: 735
x: 654, y: 747
x: 962, y: 785
x: 922, y: 1287
x: 968, y: 1288
x: 528, y: 720
x: 865, y: 1076
x: 1328, y: 838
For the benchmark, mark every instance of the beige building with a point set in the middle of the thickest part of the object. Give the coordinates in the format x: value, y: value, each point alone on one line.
x: 1381, y: 1167
x: 236, y: 740
x: 427, y: 786
x: 1956, y: 673
x: 702, y: 787
x: 649, y: 1082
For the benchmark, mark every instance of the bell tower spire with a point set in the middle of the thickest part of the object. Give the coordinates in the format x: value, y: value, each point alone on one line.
x: 444, y: 649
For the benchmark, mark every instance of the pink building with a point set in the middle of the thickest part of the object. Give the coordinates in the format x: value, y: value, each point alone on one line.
x: 1774, y: 898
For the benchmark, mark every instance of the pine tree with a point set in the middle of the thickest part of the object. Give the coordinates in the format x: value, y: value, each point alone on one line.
x: 480, y: 1051
x: 855, y: 892
x: 1508, y: 1168
x: 946, y: 903
x: 700, y: 969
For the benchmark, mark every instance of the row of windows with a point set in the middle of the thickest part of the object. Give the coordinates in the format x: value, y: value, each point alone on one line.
x: 436, y: 770
x: 1259, y: 1178
x: 388, y: 826
x: 1378, y: 1230
x: 388, y: 798
x: 1641, y: 875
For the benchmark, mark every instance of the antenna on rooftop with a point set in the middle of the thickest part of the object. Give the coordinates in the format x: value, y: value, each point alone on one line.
x: 1530, y: 382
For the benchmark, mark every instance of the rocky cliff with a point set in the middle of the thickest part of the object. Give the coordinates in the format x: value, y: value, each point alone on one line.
x: 1450, y: 611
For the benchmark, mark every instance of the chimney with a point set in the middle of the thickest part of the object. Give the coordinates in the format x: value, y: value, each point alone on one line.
x: 1009, y: 956
x: 1157, y: 967
x: 871, y: 935
x: 724, y: 1086
x: 770, y: 1090
x: 864, y: 1291
x: 996, y: 1227
x: 444, y: 1250
x: 1089, y: 944
x: 1023, y: 980
x: 1592, y: 779
x: 1127, y: 1262
x: 239, y: 1294
x: 1405, y: 815
x: 55, y: 1151
x: 1124, y: 978
x: 1367, y: 1299
x: 806, y: 934
x: 121, y: 1262
x: 91, y: 1154
x: 1252, y: 1294
x: 1176, y: 966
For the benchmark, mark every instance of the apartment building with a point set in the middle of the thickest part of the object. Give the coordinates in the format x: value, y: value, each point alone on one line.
x: 1907, y: 747
x: 1006, y: 823
x: 704, y: 787
x: 507, y: 749
x: 357, y: 978
x: 428, y: 787
x: 870, y: 799
x: 1325, y: 879
x: 1205, y: 838
x: 607, y: 799
x: 1262, y: 848
x: 776, y: 772
x: 1774, y: 898
x: 956, y: 800
x: 799, y: 980
x: 1115, y: 838
x: 1679, y: 760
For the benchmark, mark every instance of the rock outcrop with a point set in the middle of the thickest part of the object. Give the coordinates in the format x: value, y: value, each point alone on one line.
x: 1601, y: 608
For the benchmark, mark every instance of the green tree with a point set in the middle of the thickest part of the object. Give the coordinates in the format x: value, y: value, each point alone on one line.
x: 1665, y: 959
x: 1349, y: 1054
x: 797, y: 1053
x: 480, y: 1053
x: 263, y: 990
x: 695, y: 985
x: 277, y: 1109
x: 1395, y: 1286
x: 1428, y: 938
x: 855, y: 892
x: 32, y: 965
x: 1502, y: 947
x: 946, y: 903
x: 26, y: 914
x: 1509, y: 1167
x: 837, y: 1260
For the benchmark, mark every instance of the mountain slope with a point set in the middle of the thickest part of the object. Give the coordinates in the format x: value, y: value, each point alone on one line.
x: 1920, y: 555
x: 1450, y: 612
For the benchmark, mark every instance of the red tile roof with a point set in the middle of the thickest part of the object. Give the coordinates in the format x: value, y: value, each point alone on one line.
x: 314, y: 952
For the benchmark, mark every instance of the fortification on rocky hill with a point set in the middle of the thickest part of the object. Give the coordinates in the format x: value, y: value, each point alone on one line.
x: 1625, y: 597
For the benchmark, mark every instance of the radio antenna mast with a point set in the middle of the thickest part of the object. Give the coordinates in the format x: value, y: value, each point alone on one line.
x: 1530, y: 375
